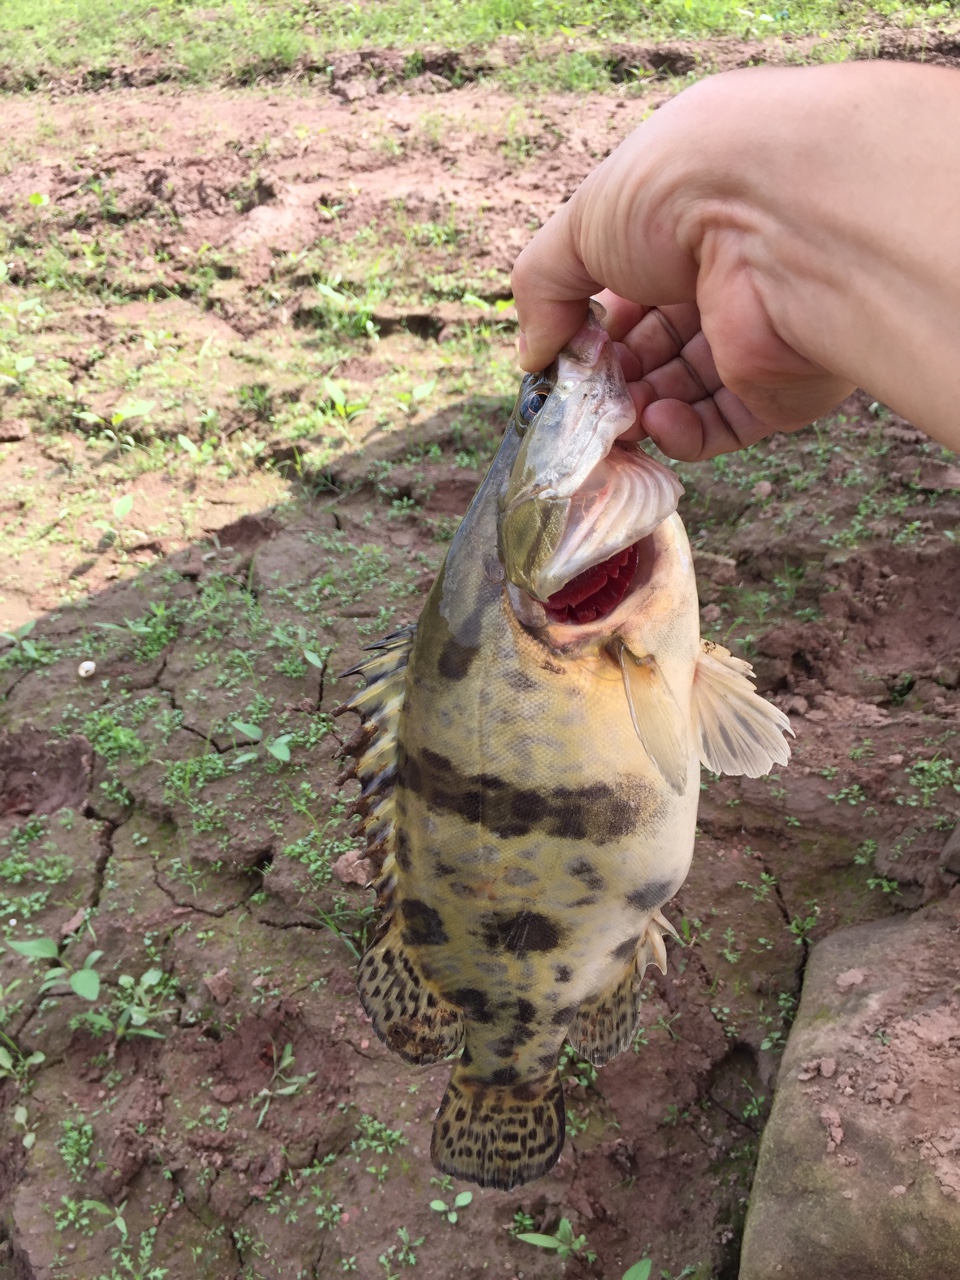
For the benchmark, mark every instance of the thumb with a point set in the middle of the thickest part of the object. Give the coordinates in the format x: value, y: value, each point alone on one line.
x: 552, y: 288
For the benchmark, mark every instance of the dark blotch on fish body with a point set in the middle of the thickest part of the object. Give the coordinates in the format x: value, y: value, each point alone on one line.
x: 473, y: 1002
x: 586, y: 872
x: 507, y: 1045
x: 403, y: 850
x: 598, y: 813
x: 526, y: 1012
x: 521, y: 932
x: 519, y: 877
x: 456, y: 659
x: 423, y: 926
x: 651, y: 895
x: 626, y: 950
x: 520, y: 682
x: 505, y: 1075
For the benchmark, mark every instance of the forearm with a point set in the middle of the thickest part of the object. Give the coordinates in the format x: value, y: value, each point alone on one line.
x: 838, y: 189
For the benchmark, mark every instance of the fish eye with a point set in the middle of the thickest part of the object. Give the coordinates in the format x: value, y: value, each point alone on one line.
x: 531, y: 402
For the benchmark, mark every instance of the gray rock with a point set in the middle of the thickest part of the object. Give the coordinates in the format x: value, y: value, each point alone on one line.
x: 950, y: 858
x: 859, y: 1167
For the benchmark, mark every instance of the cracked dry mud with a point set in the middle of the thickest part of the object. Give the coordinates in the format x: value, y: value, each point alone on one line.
x: 137, y: 817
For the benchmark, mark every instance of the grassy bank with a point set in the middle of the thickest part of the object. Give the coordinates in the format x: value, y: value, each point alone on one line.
x: 242, y: 41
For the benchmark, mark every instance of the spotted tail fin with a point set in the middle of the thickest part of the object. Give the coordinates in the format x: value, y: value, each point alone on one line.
x: 499, y: 1135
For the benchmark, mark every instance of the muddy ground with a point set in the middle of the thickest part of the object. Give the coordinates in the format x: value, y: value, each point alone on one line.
x: 256, y: 356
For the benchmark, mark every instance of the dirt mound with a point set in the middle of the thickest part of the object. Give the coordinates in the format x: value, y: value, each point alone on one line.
x: 40, y: 775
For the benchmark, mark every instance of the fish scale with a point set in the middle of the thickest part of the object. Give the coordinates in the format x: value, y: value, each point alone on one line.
x: 532, y: 788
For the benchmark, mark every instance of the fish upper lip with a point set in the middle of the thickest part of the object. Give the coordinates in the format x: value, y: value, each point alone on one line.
x: 576, y: 474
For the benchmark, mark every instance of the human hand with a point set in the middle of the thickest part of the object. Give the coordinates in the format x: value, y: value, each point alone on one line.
x: 670, y: 219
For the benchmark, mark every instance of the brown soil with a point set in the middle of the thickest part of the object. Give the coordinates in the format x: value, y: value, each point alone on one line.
x: 826, y: 558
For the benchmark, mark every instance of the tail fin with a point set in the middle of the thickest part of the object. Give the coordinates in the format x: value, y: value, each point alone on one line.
x: 499, y: 1135
x: 409, y: 1015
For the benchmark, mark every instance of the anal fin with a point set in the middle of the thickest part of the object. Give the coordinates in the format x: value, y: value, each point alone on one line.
x: 408, y: 1013
x: 499, y: 1135
x: 604, y: 1026
x: 739, y: 732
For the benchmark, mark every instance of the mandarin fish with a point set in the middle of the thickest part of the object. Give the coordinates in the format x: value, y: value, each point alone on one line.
x: 529, y: 759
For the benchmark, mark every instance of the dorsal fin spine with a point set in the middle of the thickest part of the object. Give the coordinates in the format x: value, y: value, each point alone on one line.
x: 371, y: 754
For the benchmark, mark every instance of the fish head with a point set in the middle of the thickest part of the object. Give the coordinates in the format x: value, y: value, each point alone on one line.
x: 582, y: 518
x: 580, y: 405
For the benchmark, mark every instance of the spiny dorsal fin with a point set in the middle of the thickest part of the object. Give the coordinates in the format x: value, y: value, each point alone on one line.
x: 739, y: 732
x: 656, y: 717
x: 407, y: 1011
x: 371, y: 754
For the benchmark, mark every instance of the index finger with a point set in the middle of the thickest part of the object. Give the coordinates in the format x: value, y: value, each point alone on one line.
x: 552, y: 289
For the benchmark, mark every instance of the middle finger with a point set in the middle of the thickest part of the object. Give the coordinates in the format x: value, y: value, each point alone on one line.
x: 661, y: 334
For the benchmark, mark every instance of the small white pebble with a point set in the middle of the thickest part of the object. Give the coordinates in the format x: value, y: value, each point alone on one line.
x: 86, y: 670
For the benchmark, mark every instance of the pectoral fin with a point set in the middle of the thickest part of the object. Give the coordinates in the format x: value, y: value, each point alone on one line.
x: 739, y: 732
x: 656, y: 717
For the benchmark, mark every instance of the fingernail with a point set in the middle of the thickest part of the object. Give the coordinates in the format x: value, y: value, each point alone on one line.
x: 522, y: 345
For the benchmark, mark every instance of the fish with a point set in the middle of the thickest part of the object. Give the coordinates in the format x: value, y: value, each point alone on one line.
x: 529, y: 761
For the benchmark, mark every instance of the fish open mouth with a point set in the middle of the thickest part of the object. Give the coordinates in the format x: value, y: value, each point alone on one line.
x: 597, y: 591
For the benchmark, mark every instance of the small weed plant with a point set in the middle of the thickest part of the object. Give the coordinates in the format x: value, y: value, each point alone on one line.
x: 282, y: 1084
x: 451, y: 1211
x: 563, y: 1241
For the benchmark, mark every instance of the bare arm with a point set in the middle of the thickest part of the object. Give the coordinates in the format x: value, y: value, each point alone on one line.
x: 769, y: 239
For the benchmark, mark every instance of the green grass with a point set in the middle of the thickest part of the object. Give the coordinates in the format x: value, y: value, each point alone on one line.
x: 241, y: 42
